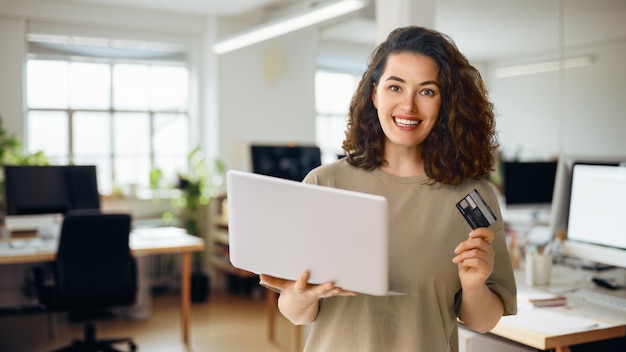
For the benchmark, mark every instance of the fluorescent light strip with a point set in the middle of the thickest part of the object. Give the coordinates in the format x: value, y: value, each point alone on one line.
x: 277, y: 28
x: 543, y: 67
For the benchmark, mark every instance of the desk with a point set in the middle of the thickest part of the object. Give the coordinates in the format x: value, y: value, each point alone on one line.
x: 142, y: 242
x: 610, y: 323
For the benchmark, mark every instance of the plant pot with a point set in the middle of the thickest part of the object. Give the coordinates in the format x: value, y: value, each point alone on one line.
x: 200, y: 287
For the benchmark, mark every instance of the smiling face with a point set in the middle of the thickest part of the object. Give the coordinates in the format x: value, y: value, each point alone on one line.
x: 408, y: 99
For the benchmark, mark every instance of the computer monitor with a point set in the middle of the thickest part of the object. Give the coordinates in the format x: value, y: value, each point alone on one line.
x: 37, y: 197
x: 596, y: 229
x: 585, y: 250
x: 527, y: 193
x: 284, y: 161
x: 562, y: 188
x: 529, y: 184
x: 32, y: 190
x: 83, y: 187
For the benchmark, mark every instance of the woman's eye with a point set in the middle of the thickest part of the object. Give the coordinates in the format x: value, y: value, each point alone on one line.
x: 394, y: 88
x: 428, y: 92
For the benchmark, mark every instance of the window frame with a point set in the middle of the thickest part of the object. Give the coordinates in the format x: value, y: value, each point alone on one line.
x: 110, y: 111
x: 330, y: 152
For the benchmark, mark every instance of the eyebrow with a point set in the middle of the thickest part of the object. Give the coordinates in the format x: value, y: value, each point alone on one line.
x: 396, y: 78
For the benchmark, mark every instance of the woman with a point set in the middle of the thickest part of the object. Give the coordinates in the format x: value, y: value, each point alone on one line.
x: 421, y: 132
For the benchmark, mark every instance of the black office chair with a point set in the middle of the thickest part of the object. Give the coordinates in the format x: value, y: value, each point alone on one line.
x: 94, y: 270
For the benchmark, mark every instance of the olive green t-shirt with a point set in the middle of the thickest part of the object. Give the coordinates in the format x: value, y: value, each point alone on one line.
x: 424, y: 228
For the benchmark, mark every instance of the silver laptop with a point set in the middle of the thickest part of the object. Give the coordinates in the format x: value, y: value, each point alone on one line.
x: 282, y: 228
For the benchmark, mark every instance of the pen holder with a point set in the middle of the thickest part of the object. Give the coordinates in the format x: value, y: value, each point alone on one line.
x: 538, y: 269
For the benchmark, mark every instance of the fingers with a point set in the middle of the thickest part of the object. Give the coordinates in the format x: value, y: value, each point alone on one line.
x: 329, y: 290
x: 302, y: 283
x: 272, y: 283
x: 325, y: 290
x: 483, y: 233
x: 477, y: 239
x: 477, y: 246
x: 466, y: 257
x: 302, y: 287
x: 475, y: 258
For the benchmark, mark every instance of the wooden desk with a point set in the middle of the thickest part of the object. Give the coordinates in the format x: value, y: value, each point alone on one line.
x: 561, y: 342
x: 142, y: 242
x: 517, y: 328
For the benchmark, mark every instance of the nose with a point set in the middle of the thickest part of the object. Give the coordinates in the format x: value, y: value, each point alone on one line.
x: 410, y: 103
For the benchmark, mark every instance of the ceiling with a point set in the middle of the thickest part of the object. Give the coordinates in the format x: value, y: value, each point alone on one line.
x: 485, y: 30
x: 199, y: 7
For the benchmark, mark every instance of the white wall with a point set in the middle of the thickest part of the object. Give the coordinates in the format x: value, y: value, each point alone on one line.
x: 527, y: 113
x: 594, y: 109
x: 267, y: 95
x: 579, y: 111
x: 11, y: 74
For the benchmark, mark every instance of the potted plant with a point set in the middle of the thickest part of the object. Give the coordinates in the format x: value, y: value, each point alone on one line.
x: 198, y: 186
x: 11, y: 154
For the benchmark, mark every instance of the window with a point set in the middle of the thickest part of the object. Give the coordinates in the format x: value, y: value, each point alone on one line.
x: 125, y: 117
x: 333, y: 92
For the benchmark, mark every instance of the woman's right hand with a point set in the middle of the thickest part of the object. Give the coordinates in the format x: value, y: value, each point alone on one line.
x: 303, y: 288
x: 298, y: 299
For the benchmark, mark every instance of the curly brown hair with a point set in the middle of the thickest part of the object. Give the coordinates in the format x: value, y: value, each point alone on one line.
x: 463, y: 140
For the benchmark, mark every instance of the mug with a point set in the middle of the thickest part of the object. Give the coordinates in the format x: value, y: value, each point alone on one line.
x: 538, y: 269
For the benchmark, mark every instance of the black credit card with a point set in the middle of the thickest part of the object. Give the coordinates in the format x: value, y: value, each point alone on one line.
x: 475, y: 210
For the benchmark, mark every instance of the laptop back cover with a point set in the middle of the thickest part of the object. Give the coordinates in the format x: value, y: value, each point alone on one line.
x: 283, y: 228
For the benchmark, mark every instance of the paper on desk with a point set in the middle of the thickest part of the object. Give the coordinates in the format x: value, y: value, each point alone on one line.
x: 549, y: 321
x: 158, y: 232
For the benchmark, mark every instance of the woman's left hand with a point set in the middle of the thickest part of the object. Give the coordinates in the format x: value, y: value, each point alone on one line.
x: 475, y: 258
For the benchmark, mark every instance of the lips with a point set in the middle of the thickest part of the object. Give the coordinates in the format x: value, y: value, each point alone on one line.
x: 404, y: 122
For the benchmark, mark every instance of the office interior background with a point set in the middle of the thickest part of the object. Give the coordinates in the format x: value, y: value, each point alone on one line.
x: 554, y: 70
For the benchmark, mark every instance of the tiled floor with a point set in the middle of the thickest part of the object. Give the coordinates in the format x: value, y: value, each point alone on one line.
x: 224, y: 323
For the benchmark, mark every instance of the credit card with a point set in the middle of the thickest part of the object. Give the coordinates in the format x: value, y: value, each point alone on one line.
x: 475, y: 211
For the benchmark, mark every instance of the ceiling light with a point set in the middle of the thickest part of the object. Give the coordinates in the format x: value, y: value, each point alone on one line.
x: 547, y: 66
x: 315, y: 15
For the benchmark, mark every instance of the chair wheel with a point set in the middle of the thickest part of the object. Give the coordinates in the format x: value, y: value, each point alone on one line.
x: 132, y: 346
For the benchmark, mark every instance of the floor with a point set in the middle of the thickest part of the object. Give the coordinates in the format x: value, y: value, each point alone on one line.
x: 223, y: 323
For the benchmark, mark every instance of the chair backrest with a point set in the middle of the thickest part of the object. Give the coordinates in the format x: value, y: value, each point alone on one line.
x: 94, y: 267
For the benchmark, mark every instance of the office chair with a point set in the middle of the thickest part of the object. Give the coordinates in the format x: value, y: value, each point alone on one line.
x: 93, y: 270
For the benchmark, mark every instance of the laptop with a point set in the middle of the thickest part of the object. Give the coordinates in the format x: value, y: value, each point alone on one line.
x: 283, y: 228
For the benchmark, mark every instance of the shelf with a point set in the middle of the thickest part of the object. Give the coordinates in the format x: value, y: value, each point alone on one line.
x: 220, y: 256
x: 221, y: 223
x: 221, y: 237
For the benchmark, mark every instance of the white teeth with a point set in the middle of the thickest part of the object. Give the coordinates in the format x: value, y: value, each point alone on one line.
x: 407, y: 122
